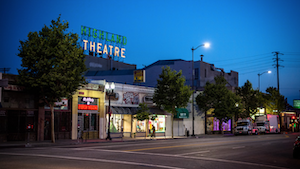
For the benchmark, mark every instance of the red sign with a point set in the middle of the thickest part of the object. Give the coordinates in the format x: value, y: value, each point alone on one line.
x: 87, y: 107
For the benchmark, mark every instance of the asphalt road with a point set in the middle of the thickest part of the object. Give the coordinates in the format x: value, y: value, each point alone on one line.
x: 257, y: 151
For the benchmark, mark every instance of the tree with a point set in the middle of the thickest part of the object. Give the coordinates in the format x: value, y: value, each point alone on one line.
x: 250, y: 99
x: 171, y: 92
x: 218, y: 97
x: 52, y: 64
x: 273, y: 100
x: 143, y: 114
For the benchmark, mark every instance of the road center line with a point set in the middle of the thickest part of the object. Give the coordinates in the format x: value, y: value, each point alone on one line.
x: 92, y: 159
x: 199, y: 152
x: 196, y: 158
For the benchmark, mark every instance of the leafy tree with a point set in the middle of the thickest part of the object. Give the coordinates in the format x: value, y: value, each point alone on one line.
x: 218, y: 97
x: 171, y: 92
x: 143, y: 114
x: 273, y: 100
x: 52, y: 64
x: 250, y: 99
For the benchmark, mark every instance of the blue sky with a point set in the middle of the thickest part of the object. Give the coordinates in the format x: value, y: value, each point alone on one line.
x: 243, y: 34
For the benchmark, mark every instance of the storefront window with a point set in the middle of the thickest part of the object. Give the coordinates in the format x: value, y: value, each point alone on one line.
x: 115, y: 123
x: 225, y: 126
x: 140, y: 126
x: 159, y: 123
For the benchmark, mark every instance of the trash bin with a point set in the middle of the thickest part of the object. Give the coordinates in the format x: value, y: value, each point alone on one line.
x: 187, y: 133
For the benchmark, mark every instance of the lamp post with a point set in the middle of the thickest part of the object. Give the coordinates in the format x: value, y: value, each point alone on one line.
x: 109, y: 89
x: 259, y: 78
x: 193, y: 49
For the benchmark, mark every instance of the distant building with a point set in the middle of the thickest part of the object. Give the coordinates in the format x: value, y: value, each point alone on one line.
x: 203, y: 72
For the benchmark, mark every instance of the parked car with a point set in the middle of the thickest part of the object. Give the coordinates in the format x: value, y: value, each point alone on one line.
x: 296, y: 149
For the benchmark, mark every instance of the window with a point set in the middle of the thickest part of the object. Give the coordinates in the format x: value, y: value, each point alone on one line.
x: 196, y: 73
x: 205, y: 73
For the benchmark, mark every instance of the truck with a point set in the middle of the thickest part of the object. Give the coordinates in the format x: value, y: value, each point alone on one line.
x: 261, y: 124
x: 267, y: 124
x: 244, y: 126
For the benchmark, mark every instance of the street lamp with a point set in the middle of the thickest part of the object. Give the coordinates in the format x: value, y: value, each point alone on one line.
x: 193, y: 49
x: 259, y: 78
x: 109, y: 89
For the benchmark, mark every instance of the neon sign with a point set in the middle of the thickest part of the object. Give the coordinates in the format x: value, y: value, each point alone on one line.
x: 102, y: 42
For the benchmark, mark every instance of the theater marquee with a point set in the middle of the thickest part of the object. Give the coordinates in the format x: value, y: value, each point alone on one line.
x: 103, y: 43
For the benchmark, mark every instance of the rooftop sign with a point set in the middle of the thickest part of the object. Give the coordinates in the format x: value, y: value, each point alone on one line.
x: 103, y: 43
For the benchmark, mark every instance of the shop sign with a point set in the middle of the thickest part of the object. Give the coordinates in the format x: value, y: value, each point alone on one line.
x: 103, y: 42
x: 87, y: 103
x: 88, y: 100
x: 62, y: 105
x: 182, y: 113
x: 296, y: 104
x: 139, y: 76
x: 131, y: 98
x: 14, y: 88
x: 87, y: 107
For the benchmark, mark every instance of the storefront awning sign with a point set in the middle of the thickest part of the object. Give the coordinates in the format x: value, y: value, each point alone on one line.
x: 182, y: 113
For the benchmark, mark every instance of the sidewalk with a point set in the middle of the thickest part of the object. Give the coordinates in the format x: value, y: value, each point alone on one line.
x: 48, y: 143
x: 62, y: 142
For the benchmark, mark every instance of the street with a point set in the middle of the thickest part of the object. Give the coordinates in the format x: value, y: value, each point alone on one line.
x: 256, y: 151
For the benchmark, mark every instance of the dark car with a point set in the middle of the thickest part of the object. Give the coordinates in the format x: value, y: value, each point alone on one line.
x: 296, y: 149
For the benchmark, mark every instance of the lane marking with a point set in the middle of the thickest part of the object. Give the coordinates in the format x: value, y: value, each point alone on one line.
x: 92, y: 159
x: 238, y: 147
x: 207, y: 143
x: 199, y: 152
x: 187, y: 145
x: 194, y: 158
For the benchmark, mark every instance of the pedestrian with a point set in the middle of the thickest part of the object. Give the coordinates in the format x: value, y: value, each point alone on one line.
x: 153, y: 131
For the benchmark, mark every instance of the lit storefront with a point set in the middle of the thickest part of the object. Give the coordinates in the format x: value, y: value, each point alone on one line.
x: 88, y: 112
x: 124, y: 107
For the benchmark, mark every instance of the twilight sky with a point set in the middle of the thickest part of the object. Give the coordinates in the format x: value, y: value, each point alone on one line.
x: 243, y: 34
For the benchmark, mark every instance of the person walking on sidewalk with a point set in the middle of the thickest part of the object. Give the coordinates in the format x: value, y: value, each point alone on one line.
x: 153, y: 131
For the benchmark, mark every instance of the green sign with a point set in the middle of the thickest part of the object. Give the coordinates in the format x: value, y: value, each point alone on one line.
x: 297, y: 104
x: 182, y: 113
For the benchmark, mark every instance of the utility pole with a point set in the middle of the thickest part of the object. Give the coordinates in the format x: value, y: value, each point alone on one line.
x: 4, y: 70
x: 277, y: 66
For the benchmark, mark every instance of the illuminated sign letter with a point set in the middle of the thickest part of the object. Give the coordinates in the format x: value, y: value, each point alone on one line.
x: 99, y: 48
x: 106, y: 37
x: 118, y: 39
x: 112, y: 38
x: 124, y: 40
x: 89, y: 32
x: 83, y: 30
x: 105, y: 49
x: 92, y: 46
x: 95, y: 33
x: 110, y: 49
x: 117, y: 51
x: 101, y: 35
x: 84, y: 44
x: 122, y: 52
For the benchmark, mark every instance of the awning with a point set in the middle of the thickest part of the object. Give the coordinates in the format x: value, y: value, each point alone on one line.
x: 122, y: 110
x: 158, y: 111
x: 182, y: 113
